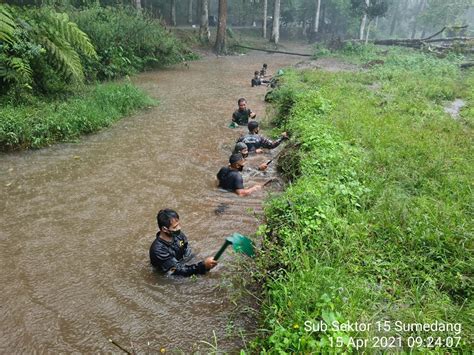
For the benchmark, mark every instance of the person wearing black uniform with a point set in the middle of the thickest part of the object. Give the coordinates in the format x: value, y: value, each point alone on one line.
x: 242, y: 115
x: 255, y: 142
x: 241, y: 147
x: 230, y: 178
x: 257, y: 80
x: 170, y: 250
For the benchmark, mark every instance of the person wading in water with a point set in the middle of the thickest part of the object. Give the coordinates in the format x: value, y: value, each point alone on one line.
x: 170, y: 250
x: 230, y: 178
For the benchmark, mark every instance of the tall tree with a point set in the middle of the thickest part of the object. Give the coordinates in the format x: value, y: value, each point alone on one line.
x: 173, y: 12
x: 316, y: 18
x: 190, y: 12
x: 220, y: 46
x: 275, y: 38
x: 364, y: 20
x: 265, y: 15
x: 204, y: 34
x: 138, y: 5
x: 418, y: 11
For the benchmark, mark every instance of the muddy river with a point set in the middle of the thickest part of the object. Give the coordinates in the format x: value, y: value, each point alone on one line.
x: 77, y: 220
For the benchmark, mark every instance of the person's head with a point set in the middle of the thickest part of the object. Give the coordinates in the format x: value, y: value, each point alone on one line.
x: 256, y: 73
x: 241, y: 148
x: 264, y: 66
x: 168, y: 222
x: 253, y: 126
x: 237, y: 161
x: 242, y: 104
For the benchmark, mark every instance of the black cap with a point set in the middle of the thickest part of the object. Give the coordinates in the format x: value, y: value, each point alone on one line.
x: 234, y: 158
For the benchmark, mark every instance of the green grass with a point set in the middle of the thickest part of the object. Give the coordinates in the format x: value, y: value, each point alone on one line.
x: 376, y: 224
x: 42, y: 123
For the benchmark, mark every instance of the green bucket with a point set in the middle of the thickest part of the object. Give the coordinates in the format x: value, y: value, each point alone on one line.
x: 240, y: 243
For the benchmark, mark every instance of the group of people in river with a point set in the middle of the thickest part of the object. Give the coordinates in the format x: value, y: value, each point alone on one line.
x: 170, y: 251
x: 259, y: 76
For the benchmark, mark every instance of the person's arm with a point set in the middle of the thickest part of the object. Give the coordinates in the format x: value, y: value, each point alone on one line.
x: 252, y: 114
x: 234, y: 117
x: 239, y: 187
x: 169, y: 264
x: 267, y: 143
x: 248, y: 191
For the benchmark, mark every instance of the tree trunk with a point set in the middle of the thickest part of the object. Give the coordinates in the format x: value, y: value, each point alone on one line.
x: 367, y: 33
x: 364, y: 21
x: 220, y: 46
x: 138, y: 5
x: 316, y: 19
x: 395, y: 19
x: 362, y: 27
x: 265, y: 11
x: 276, y: 23
x: 173, y: 13
x: 204, y: 34
x: 190, y: 12
x: 198, y: 11
x: 421, y: 7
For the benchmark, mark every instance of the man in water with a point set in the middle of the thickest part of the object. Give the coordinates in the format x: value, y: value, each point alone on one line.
x: 257, y: 80
x: 170, y: 250
x: 241, y: 147
x: 230, y: 178
x: 255, y: 142
x: 242, y: 115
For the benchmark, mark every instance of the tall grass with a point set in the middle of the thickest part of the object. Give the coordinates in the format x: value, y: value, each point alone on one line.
x: 376, y: 224
x: 43, y: 123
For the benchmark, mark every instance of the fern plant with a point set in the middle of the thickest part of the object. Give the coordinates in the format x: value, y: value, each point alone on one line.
x: 7, y: 24
x: 38, y: 40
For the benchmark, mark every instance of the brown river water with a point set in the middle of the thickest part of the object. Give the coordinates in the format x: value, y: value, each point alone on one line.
x: 77, y: 220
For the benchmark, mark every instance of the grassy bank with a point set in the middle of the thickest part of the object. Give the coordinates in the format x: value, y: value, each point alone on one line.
x: 376, y: 225
x: 42, y: 122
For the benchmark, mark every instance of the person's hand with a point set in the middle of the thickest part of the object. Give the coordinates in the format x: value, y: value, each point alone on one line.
x: 259, y: 151
x: 209, y: 263
x: 252, y: 114
x: 284, y: 135
x: 263, y: 166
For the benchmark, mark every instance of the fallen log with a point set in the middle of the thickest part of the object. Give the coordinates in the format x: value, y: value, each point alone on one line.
x: 273, y: 51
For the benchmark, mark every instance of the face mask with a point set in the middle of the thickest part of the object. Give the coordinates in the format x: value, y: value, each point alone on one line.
x: 245, y: 155
x: 241, y: 168
x: 175, y: 233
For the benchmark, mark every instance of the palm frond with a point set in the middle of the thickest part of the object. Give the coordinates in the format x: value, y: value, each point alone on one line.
x: 63, y: 41
x: 15, y: 69
x: 7, y: 24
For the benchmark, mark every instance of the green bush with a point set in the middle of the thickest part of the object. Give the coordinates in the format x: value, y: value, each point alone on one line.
x: 44, y: 123
x: 127, y: 41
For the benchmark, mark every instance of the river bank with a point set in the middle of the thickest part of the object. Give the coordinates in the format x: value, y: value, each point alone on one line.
x: 375, y: 228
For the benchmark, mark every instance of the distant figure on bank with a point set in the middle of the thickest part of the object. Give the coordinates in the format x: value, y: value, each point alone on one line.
x: 242, y: 115
x: 255, y: 142
x: 170, y: 251
x: 241, y: 147
x: 230, y: 178
x: 257, y: 80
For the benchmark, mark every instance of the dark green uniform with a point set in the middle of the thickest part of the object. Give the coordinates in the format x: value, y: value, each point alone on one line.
x: 241, y: 117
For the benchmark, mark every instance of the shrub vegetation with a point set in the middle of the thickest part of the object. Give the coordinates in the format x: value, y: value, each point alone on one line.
x: 42, y: 122
x: 46, y: 57
x: 376, y: 222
